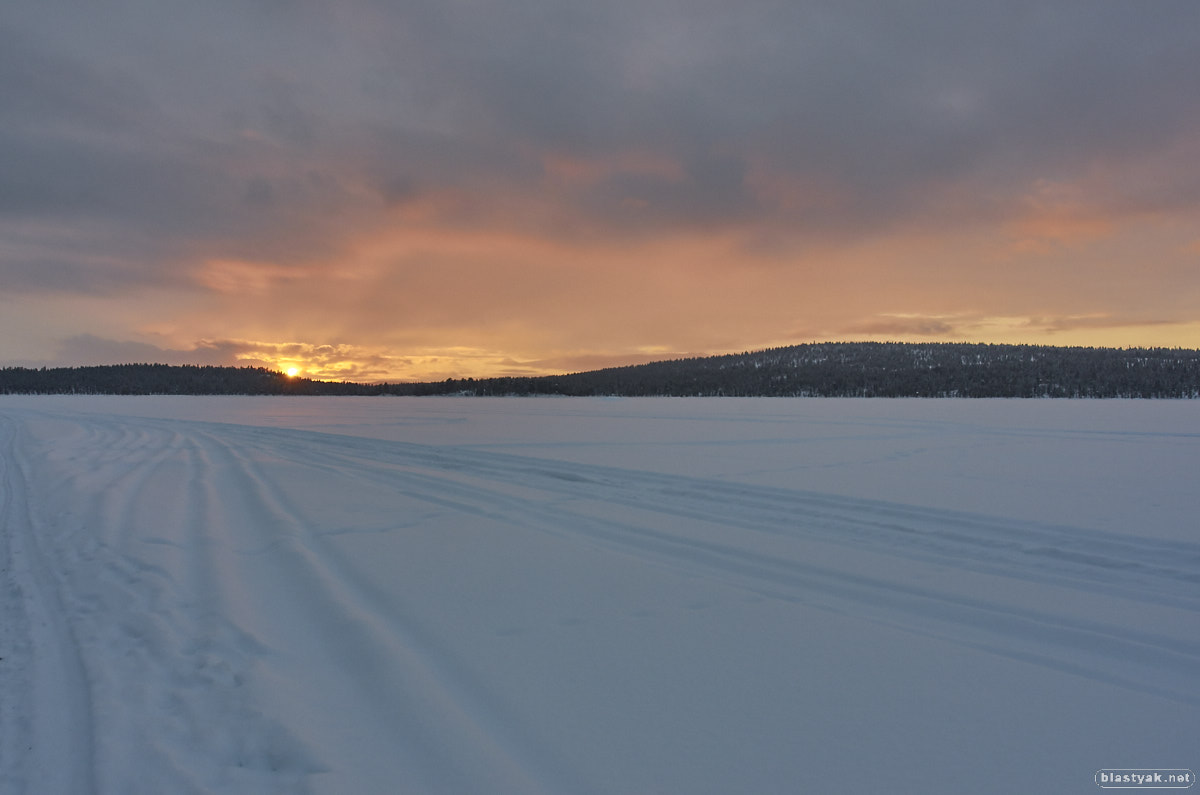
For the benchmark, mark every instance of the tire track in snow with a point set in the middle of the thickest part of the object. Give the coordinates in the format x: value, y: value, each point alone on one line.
x: 576, y: 501
x: 176, y: 665
x: 159, y: 534
x: 165, y: 669
x: 1159, y: 571
x: 241, y: 586
x: 463, y: 740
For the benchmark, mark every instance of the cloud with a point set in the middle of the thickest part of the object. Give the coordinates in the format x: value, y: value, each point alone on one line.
x: 582, y: 362
x: 315, y: 360
x: 887, y: 107
x: 89, y: 349
x: 527, y: 175
x: 975, y: 326
x: 47, y: 91
x: 1098, y: 321
x: 908, y: 326
x: 341, y: 361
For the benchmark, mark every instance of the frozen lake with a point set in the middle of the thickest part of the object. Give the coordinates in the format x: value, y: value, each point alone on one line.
x: 457, y: 595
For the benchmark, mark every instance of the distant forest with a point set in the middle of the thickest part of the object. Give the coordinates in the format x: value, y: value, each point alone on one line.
x: 843, y: 369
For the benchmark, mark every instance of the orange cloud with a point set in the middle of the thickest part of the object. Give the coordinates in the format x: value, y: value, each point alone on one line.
x: 1058, y: 214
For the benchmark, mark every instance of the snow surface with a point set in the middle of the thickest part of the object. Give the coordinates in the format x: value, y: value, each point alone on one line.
x: 450, y: 595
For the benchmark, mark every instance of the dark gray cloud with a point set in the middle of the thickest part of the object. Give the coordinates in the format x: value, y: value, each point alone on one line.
x: 114, y: 143
x: 883, y: 108
x: 251, y: 129
x: 88, y: 349
x: 69, y: 275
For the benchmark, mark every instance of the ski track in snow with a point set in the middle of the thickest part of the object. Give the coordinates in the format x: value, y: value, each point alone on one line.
x: 44, y: 711
x: 167, y: 577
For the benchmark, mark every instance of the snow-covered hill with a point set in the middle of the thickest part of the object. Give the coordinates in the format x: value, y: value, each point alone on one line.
x: 440, y: 595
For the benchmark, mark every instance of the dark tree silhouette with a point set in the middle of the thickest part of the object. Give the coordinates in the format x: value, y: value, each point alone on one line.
x: 842, y: 369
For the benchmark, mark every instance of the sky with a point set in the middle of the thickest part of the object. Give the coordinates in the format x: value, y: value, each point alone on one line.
x: 372, y: 190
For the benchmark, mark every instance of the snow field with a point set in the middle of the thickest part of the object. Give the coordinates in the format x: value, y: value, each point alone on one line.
x: 595, y: 596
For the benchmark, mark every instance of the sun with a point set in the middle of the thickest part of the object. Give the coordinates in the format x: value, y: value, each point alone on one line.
x: 292, y: 372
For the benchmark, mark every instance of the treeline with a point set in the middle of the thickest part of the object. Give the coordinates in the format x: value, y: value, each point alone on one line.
x: 844, y: 369
x: 883, y: 369
x: 163, y: 379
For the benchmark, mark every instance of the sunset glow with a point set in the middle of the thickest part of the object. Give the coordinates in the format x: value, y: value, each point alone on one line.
x: 532, y: 189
